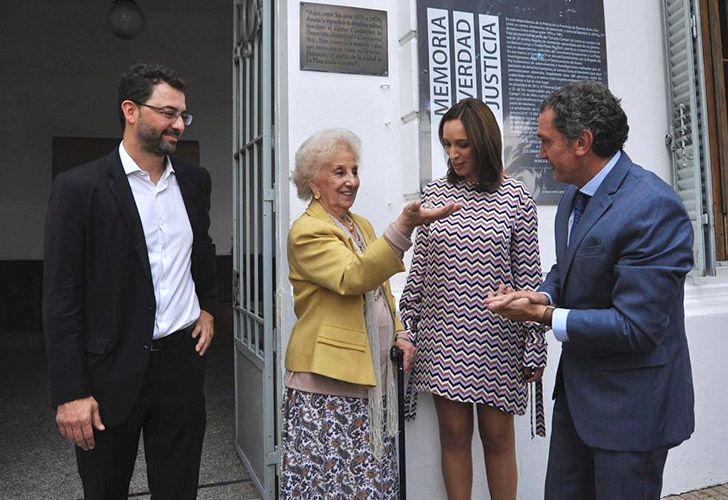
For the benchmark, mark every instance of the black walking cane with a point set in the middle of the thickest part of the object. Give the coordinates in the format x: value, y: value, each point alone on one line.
x: 397, y: 355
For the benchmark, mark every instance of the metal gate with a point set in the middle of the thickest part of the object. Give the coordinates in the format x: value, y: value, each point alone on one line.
x: 254, y: 246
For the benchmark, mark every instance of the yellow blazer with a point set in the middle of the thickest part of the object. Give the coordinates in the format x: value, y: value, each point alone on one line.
x: 329, y: 280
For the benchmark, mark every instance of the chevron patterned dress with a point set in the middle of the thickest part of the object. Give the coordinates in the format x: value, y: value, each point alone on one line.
x: 464, y: 352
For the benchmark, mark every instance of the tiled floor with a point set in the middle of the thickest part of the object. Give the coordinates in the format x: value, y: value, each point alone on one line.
x: 37, y: 464
x: 719, y: 492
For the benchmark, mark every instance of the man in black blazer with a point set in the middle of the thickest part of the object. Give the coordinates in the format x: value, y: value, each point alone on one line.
x: 129, y: 284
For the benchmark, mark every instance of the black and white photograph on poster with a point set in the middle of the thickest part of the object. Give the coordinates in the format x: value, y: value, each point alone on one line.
x: 511, y: 55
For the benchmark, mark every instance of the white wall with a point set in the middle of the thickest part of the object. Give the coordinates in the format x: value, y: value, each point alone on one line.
x: 60, y: 70
x: 374, y: 108
x: 701, y: 460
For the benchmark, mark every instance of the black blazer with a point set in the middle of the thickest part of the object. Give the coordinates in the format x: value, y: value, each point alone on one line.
x: 98, y: 297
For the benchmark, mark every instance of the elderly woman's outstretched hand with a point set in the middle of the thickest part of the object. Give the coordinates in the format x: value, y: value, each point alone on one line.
x: 414, y: 214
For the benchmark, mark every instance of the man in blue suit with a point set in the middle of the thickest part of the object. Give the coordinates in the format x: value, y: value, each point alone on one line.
x: 614, y: 299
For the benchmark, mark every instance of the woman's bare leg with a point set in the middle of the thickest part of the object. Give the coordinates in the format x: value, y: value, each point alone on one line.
x: 498, y: 436
x: 455, y: 421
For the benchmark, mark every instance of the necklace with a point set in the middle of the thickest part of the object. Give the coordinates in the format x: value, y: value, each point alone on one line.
x: 346, y: 221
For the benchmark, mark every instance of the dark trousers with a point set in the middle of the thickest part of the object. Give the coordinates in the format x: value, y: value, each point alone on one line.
x: 578, y: 472
x: 171, y: 413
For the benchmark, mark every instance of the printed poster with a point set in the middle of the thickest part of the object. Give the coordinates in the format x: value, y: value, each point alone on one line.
x: 511, y: 55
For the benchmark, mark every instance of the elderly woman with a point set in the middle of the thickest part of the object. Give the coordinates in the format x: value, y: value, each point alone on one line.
x: 339, y: 412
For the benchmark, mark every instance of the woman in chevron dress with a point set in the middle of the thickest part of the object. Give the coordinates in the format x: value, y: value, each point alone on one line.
x: 467, y: 355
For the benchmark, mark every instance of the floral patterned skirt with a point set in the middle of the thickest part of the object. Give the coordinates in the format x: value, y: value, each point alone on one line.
x: 326, y: 452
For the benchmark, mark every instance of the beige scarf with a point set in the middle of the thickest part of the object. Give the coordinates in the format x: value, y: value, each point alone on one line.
x: 382, y: 418
x: 379, y: 413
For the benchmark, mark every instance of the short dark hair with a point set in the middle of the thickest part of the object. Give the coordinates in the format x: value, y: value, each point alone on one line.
x: 485, y: 135
x: 588, y: 105
x: 138, y: 81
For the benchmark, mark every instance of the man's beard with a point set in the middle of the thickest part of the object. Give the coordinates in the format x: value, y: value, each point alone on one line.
x: 156, y: 144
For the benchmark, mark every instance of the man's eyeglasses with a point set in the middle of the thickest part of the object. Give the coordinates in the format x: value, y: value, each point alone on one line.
x: 169, y: 113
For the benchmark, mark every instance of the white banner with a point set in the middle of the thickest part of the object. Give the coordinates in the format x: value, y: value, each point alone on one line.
x: 491, y: 83
x: 438, y: 38
x: 466, y: 79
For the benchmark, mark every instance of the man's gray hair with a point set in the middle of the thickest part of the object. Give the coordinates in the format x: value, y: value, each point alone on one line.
x: 588, y: 105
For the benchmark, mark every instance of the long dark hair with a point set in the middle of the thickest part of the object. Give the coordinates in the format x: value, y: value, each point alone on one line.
x: 485, y: 136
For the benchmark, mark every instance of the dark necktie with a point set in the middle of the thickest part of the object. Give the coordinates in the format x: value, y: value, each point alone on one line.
x: 580, y: 201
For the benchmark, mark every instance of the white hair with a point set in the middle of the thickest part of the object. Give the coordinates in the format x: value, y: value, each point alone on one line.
x: 316, y: 151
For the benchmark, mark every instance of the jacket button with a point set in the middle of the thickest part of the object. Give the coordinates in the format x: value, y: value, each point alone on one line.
x: 147, y: 345
x: 150, y: 308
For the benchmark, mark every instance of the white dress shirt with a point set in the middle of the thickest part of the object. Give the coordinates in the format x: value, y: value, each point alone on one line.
x: 168, y: 235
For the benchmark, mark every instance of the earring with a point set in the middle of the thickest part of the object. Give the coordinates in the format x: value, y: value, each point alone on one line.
x: 317, y: 195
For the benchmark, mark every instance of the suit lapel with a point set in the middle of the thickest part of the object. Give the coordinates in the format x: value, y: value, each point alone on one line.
x: 561, y: 226
x: 186, y: 187
x: 317, y: 210
x: 365, y: 228
x: 121, y: 191
x: 595, y: 209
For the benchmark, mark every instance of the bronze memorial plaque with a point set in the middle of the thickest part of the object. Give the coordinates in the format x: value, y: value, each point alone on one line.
x: 338, y: 39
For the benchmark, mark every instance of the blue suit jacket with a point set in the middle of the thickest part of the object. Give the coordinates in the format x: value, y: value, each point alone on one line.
x: 626, y: 368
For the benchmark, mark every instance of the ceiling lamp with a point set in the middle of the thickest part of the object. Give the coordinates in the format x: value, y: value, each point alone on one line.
x: 126, y: 19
